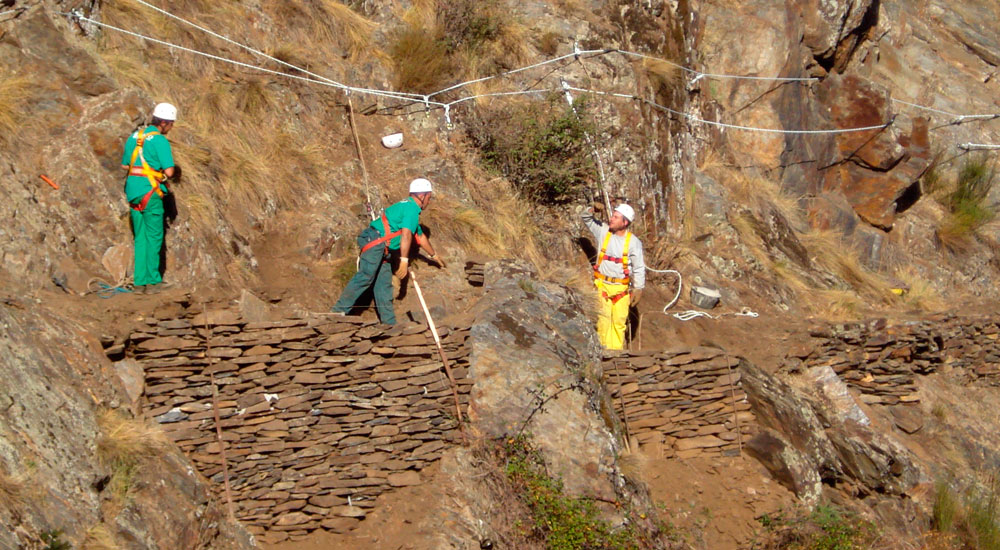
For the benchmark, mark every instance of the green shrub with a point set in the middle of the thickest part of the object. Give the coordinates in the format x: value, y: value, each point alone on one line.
x: 540, y: 147
x: 826, y: 528
x: 967, y: 204
x: 945, y: 507
x: 562, y: 522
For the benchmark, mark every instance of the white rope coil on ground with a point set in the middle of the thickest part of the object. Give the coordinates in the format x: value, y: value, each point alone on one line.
x: 691, y: 313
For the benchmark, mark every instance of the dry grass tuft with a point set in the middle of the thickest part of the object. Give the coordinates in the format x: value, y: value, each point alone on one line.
x: 661, y: 74
x: 827, y: 249
x: 123, y: 445
x: 443, y: 40
x: 100, y: 537
x: 420, y: 59
x: 16, y: 93
x: 921, y: 295
x: 352, y: 30
x: 12, y: 495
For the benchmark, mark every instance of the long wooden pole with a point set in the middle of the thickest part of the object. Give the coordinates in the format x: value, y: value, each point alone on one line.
x: 361, y: 157
x: 437, y: 340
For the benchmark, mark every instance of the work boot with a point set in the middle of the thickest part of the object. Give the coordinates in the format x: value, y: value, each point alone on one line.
x: 139, y: 289
x: 153, y: 289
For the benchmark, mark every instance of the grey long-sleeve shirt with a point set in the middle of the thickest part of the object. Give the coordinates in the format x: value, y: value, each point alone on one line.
x: 637, y: 266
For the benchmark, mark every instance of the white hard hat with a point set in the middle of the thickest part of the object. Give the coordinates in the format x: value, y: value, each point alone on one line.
x: 165, y: 111
x: 420, y: 185
x: 627, y: 211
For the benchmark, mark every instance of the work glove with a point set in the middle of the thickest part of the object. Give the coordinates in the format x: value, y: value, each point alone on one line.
x: 402, y: 270
x: 634, y: 296
x: 598, y: 207
x: 438, y: 260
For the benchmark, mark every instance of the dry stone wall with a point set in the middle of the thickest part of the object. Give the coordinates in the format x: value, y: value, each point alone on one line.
x: 319, y: 416
x: 881, y: 362
x: 687, y: 403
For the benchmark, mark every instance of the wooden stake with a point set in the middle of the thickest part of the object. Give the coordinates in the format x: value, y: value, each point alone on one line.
x: 437, y: 340
x: 361, y: 157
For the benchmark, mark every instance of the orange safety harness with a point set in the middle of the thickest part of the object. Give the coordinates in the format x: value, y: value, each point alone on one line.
x: 602, y: 257
x: 384, y: 241
x: 155, y: 177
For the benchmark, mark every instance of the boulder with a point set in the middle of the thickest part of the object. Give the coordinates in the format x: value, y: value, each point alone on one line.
x: 787, y: 464
x: 536, y: 364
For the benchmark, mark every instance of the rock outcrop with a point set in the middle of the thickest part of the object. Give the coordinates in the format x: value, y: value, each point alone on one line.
x: 53, y: 481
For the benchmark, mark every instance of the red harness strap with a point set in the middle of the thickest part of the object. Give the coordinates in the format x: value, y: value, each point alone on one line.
x: 614, y: 299
x: 384, y: 241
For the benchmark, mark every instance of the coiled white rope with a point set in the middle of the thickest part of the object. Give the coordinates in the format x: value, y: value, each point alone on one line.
x: 691, y: 313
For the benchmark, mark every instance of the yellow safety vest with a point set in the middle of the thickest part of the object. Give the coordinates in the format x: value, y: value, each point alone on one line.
x: 602, y: 256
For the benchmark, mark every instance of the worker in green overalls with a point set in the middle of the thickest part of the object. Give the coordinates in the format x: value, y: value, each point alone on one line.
x: 149, y: 162
x: 387, y: 240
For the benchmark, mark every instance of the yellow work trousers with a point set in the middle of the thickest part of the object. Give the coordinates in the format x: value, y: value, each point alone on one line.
x: 614, y: 314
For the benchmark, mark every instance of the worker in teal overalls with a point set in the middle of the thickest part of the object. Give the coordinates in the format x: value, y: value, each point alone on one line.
x: 149, y: 162
x: 385, y: 240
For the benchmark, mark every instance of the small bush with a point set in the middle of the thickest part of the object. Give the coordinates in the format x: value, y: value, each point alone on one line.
x: 826, y: 528
x: 967, y: 205
x: 540, y: 147
x: 562, y: 522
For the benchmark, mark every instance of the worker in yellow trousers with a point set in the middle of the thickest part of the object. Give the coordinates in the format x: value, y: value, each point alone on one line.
x: 619, y: 272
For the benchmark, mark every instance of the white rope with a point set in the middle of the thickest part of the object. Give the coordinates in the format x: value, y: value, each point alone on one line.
x: 938, y: 111
x: 979, y: 147
x: 3, y: 13
x: 498, y: 94
x: 693, y: 314
x: 518, y: 70
x: 733, y: 126
x: 699, y: 75
x: 264, y: 55
x: 245, y: 65
x: 425, y: 99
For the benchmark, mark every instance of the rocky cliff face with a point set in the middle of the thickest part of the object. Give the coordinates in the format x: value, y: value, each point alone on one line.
x: 58, y: 478
x: 715, y: 199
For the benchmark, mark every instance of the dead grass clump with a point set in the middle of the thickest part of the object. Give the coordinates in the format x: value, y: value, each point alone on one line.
x: 441, y: 40
x: 662, y: 74
x: 350, y: 29
x: 11, y: 492
x: 921, y: 294
x: 253, y: 97
x: 548, y: 43
x: 420, y: 59
x: 100, y: 537
x: 827, y: 249
x: 15, y: 94
x: 123, y: 445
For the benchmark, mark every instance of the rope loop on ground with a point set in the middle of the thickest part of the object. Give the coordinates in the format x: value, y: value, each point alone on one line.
x: 104, y: 289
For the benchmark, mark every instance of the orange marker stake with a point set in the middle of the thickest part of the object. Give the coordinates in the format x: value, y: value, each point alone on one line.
x: 47, y: 180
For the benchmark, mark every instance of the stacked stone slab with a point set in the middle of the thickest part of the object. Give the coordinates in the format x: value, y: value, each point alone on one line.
x: 882, y: 361
x: 319, y: 417
x: 686, y: 403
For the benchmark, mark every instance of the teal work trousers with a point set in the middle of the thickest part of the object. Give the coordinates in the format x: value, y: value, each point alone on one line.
x: 147, y: 227
x: 374, y: 272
